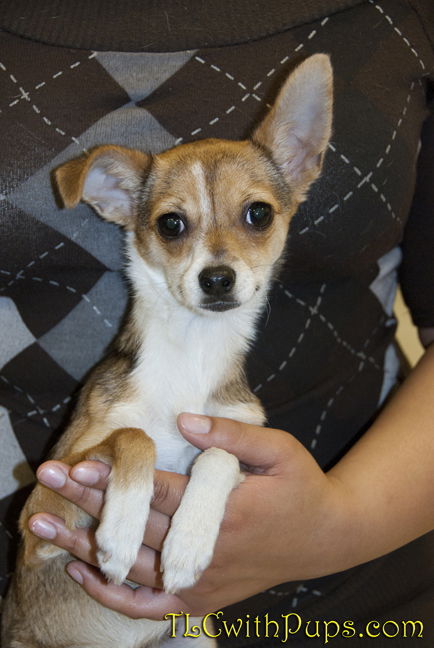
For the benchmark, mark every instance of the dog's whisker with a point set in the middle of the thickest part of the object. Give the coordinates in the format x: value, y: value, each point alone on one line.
x: 268, y: 311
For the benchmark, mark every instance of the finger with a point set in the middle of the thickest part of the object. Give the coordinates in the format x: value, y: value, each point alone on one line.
x: 169, y: 489
x: 81, y: 544
x: 255, y: 446
x: 80, y: 484
x: 156, y: 530
x: 56, y: 476
x: 139, y: 603
x: 91, y: 473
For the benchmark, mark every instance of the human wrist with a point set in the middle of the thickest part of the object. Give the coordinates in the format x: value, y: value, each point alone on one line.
x: 362, y: 521
x: 329, y: 542
x: 343, y: 528
x: 338, y: 530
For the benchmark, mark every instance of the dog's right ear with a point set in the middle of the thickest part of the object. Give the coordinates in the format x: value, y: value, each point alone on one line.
x: 109, y: 178
x: 297, y: 129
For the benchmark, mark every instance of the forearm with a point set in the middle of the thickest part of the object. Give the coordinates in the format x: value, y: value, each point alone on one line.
x: 388, y: 476
x: 377, y: 498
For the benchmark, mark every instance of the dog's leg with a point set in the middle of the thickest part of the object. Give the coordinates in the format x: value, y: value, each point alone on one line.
x: 189, y: 545
x: 131, y: 454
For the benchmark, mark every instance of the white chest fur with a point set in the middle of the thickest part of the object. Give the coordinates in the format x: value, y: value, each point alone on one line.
x: 183, y: 358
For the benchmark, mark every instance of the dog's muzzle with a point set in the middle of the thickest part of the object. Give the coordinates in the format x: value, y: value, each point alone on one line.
x: 217, y: 284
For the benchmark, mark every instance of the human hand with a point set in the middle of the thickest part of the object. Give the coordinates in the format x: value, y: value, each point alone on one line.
x: 284, y: 522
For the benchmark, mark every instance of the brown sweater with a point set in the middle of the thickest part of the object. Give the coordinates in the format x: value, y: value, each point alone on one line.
x: 152, y: 74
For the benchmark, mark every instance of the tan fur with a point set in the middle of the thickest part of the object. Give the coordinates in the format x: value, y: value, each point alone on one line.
x: 129, y: 164
x: 129, y: 451
x: 211, y: 184
x: 235, y: 389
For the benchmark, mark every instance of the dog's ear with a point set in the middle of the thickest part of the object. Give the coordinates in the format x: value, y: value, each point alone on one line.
x: 109, y: 178
x: 297, y: 129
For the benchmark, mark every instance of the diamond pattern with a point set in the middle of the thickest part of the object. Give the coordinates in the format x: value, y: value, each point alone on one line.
x: 56, y: 123
x: 142, y: 74
x: 16, y: 472
x: 322, y: 353
x: 15, y: 334
x: 37, y: 401
x: 78, y: 349
x: 55, y: 284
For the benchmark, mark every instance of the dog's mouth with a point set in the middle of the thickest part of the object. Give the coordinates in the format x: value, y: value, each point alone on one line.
x: 221, y: 305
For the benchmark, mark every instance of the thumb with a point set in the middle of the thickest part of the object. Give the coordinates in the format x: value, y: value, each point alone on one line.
x: 254, y: 445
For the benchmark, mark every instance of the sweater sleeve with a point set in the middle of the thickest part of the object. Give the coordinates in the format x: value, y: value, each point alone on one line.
x: 417, y: 270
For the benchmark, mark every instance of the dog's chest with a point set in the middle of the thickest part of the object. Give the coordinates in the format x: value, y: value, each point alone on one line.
x: 158, y: 420
x: 174, y: 374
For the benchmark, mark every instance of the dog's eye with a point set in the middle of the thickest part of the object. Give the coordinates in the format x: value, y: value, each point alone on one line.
x: 259, y: 215
x: 171, y: 225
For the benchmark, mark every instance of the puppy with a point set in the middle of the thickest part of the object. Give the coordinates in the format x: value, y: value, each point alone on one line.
x: 206, y: 228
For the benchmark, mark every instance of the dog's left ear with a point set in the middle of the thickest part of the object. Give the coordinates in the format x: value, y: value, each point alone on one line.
x: 297, y: 129
x: 109, y: 178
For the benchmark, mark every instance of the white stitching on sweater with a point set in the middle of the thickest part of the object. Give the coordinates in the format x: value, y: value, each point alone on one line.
x: 56, y: 284
x: 25, y: 95
x: 216, y: 68
x: 301, y: 589
x: 29, y: 398
x: 296, y: 49
x: 400, y: 34
x: 248, y: 95
x: 29, y: 265
x: 56, y: 75
x: 313, y: 310
x: 52, y: 410
x: 340, y: 389
x: 367, y: 178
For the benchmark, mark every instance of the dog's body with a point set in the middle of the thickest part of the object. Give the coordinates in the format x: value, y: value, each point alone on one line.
x: 207, y: 224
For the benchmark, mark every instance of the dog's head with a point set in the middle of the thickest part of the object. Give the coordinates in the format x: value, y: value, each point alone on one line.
x: 209, y: 219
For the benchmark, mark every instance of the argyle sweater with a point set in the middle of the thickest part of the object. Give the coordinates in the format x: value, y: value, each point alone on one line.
x: 75, y: 75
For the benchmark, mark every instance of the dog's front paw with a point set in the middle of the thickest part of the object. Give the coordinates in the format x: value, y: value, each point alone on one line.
x: 116, y: 553
x: 189, y: 546
x: 120, y: 533
x: 186, y: 554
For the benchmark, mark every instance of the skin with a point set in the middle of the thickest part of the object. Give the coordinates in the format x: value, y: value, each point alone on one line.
x: 376, y: 499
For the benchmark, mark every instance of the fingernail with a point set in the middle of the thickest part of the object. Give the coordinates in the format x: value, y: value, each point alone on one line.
x: 195, y: 423
x: 75, y: 574
x: 43, y: 529
x: 52, y: 477
x: 85, y: 475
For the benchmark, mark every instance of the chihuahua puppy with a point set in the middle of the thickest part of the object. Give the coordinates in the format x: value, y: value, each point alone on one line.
x: 206, y: 228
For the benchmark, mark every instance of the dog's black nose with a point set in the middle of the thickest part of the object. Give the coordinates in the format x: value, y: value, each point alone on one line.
x: 217, y: 281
